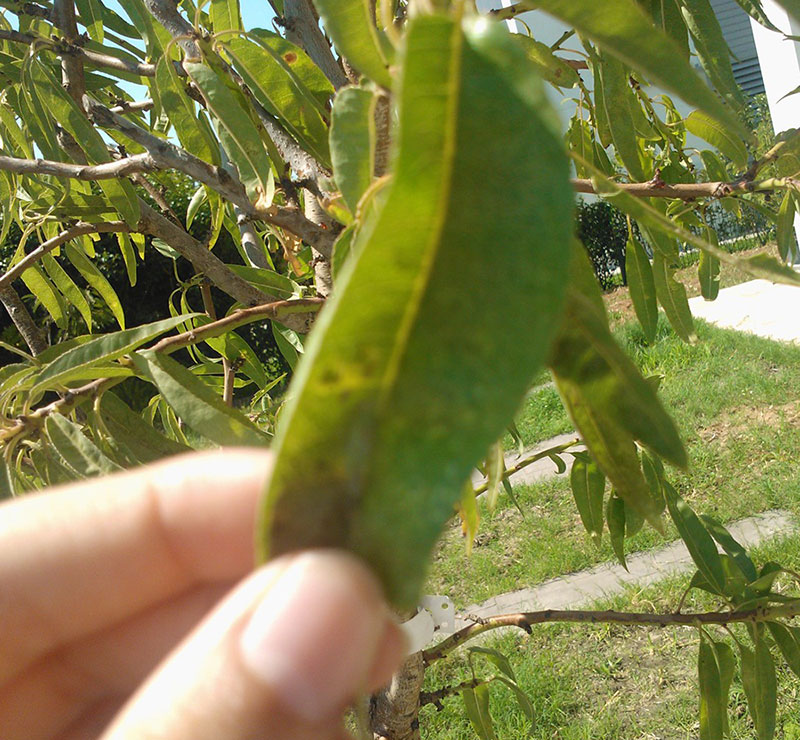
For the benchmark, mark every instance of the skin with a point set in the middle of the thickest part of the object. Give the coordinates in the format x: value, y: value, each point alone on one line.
x: 129, y: 608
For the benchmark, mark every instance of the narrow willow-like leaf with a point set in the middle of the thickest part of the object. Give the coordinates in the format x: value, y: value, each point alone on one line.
x: 66, y: 112
x: 41, y: 287
x: 469, y: 514
x: 718, y: 135
x: 91, y: 15
x: 786, y: 237
x: 736, y: 552
x: 246, y: 149
x: 356, y: 37
x: 788, y: 640
x: 553, y: 69
x: 495, y: 467
x: 712, y: 49
x: 77, y: 450
x: 712, y: 705
x: 133, y: 434
x: 760, y: 685
x: 698, y: 541
x: 588, y: 488
x: 195, y: 403
x: 615, y: 518
x: 68, y: 289
x: 128, y: 257
x: 353, y: 143
x: 413, y: 395
x: 642, y: 286
x: 97, y: 280
x: 617, y: 102
x: 672, y: 296
x: 282, y: 94
x: 622, y: 29
x: 225, y: 15
x: 496, y: 658
x: 755, y: 9
x: 180, y: 109
x: 708, y: 273
x: 476, y: 706
x: 104, y: 348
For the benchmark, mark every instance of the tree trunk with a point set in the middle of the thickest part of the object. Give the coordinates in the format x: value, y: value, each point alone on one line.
x: 394, y: 712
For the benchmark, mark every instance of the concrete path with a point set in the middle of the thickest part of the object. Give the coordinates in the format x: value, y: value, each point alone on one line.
x: 758, y: 307
x: 608, y: 579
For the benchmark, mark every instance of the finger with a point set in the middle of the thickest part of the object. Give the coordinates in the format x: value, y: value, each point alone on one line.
x: 81, y: 558
x: 280, y: 658
x: 63, y: 689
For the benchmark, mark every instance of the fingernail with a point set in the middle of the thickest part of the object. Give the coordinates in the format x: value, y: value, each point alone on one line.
x: 314, y: 636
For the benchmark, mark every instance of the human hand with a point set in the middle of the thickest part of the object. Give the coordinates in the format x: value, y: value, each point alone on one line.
x: 117, y: 618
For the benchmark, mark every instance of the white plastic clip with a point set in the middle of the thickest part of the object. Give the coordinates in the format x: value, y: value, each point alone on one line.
x: 434, y: 614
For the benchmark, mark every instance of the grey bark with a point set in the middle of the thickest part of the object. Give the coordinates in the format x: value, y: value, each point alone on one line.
x: 302, y: 29
x: 31, y: 333
x: 394, y: 712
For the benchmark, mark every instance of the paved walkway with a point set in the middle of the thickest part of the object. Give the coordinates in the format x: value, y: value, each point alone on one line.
x: 758, y: 307
x: 605, y: 580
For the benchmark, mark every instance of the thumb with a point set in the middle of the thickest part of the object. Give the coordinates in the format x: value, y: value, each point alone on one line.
x: 281, y: 657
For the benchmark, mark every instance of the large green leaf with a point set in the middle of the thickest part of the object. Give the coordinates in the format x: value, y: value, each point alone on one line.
x: 718, y: 135
x: 672, y: 296
x: 712, y: 48
x: 642, y: 286
x: 617, y: 102
x: 76, y: 449
x: 356, y: 37
x: 588, y: 488
x: 196, y: 403
x: 622, y: 29
x: 68, y: 289
x: 788, y: 640
x: 708, y: 272
x: 239, y: 133
x: 353, y: 143
x: 225, y: 15
x: 760, y: 685
x: 269, y: 78
x: 412, y: 394
x: 41, y: 287
x: 97, y: 280
x: 476, y: 707
x: 712, y: 705
x: 786, y: 237
x: 102, y: 349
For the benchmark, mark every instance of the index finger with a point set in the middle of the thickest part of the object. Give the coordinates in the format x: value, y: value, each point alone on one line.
x: 77, y: 559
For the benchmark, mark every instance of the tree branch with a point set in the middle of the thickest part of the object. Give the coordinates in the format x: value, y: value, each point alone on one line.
x: 22, y: 319
x: 435, y: 697
x: 275, y: 311
x: 526, y: 620
x: 105, y: 171
x: 692, y: 191
x: 72, y: 233
x: 72, y: 75
x: 302, y: 29
x: 166, y: 13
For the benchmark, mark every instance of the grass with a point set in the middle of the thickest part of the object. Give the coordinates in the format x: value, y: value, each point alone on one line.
x: 603, y: 681
x: 733, y: 396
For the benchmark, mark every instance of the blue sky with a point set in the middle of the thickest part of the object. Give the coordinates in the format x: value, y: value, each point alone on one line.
x: 255, y: 13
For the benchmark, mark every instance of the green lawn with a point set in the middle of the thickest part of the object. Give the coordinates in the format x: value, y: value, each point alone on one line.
x: 735, y: 398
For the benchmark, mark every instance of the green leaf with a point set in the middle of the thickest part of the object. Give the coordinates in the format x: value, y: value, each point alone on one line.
x: 356, y: 37
x: 91, y: 15
x: 66, y: 112
x: 615, y: 517
x: 289, y: 344
x: 622, y: 29
x: 95, y: 278
x: 719, y: 136
x: 67, y: 287
x: 476, y: 705
x: 77, y: 450
x: 698, y: 541
x: 672, y: 296
x: 180, y: 109
x: 195, y: 403
x: 713, y: 706
x: 412, y: 397
x: 103, y: 349
x: 128, y: 256
x: 617, y: 101
x: 642, y: 286
x: 133, y: 434
x: 712, y: 49
x: 553, y: 69
x: 755, y: 9
x: 470, y: 516
x: 38, y: 284
x: 496, y: 658
x: 787, y: 245
x: 495, y: 467
x: 270, y: 79
x: 760, y: 686
x: 225, y: 15
x: 240, y: 136
x: 708, y: 273
x: 788, y: 640
x: 736, y: 552
x: 353, y: 143
x: 588, y: 488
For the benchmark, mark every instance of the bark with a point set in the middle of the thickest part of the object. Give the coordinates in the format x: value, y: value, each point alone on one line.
x: 31, y: 333
x: 383, y: 134
x: 394, y: 712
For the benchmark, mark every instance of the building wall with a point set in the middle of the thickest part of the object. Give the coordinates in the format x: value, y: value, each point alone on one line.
x: 738, y: 33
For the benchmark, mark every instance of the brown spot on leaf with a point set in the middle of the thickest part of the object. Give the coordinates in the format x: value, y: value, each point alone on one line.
x: 290, y: 57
